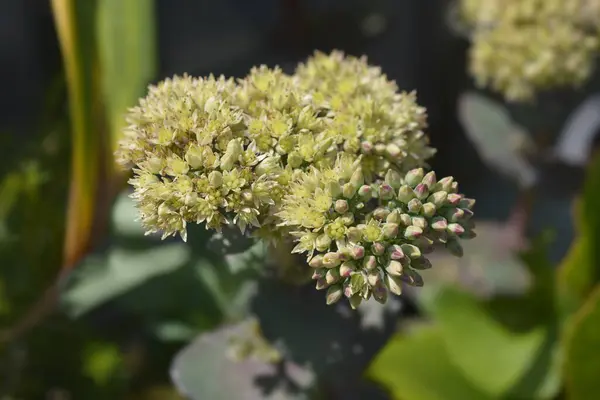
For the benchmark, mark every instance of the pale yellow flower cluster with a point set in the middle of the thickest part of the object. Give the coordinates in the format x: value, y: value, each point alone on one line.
x: 522, y: 47
x: 331, y: 156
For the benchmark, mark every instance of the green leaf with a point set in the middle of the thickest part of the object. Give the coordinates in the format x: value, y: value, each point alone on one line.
x: 501, y: 143
x: 418, y: 367
x: 100, y: 279
x: 491, y: 357
x: 127, y: 55
x: 74, y: 22
x: 580, y: 272
x: 581, y: 344
x: 203, y: 370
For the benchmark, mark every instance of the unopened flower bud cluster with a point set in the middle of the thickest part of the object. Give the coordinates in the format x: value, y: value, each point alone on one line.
x: 305, y: 156
x: 521, y: 47
x: 363, y: 239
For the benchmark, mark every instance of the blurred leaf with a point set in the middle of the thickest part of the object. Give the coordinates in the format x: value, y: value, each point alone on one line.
x: 100, y: 279
x: 582, y: 341
x: 491, y: 357
x: 203, y: 370
x: 489, y: 267
x: 125, y: 217
x: 75, y: 27
x: 126, y: 45
x: 334, y: 342
x: 580, y: 270
x: 418, y: 367
x: 500, y: 142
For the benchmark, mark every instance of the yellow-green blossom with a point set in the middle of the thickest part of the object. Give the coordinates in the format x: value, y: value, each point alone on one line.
x: 521, y: 47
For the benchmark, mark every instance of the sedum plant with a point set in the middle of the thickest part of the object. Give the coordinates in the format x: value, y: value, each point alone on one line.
x: 520, y: 47
x: 333, y: 157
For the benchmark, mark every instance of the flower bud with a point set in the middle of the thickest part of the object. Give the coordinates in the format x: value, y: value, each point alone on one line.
x: 378, y: 248
x: 354, y: 234
x: 412, y: 278
x: 454, y: 198
x: 319, y: 273
x: 334, y: 294
x: 323, y: 242
x: 393, y: 178
x: 405, y: 194
x: 414, y: 206
x: 396, y: 252
x: 419, y: 222
x: 156, y: 164
x: 331, y: 260
x: 453, y: 187
x: 445, y: 184
x: 344, y: 254
x: 394, y: 268
x: 316, y: 261
x: 386, y: 192
x: 355, y: 301
x: 379, y: 148
x: 321, y: 284
x: 366, y: 147
x: 357, y: 252
x: 365, y: 192
x: 357, y: 178
x: 455, y: 214
x: 370, y: 263
x: 421, y: 191
x: 348, y: 190
x: 411, y: 251
x: 334, y: 189
x: 413, y: 232
x: 393, y: 150
x: 429, y: 210
x: 414, y: 177
x: 420, y: 263
x: 381, y: 213
x: 341, y: 206
x: 454, y: 248
x: 429, y: 179
x: 295, y: 159
x: 373, y: 277
x: 393, y: 283
x: 393, y: 217
x: 439, y: 223
x: 347, y: 268
x: 406, y: 219
x: 215, y: 179
x: 380, y: 293
x: 389, y: 230
x: 456, y: 229
x: 425, y: 244
x: 468, y: 214
x: 466, y: 203
x: 332, y: 276
x: 438, y: 198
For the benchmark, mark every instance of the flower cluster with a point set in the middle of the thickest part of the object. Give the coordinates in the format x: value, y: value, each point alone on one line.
x: 362, y: 239
x: 520, y: 47
x: 300, y: 156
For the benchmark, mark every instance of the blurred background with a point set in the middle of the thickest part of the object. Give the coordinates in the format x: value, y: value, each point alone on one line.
x: 90, y: 308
